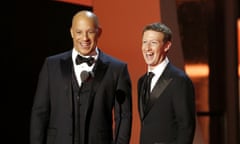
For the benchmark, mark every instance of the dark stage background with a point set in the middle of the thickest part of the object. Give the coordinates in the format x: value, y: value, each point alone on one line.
x: 34, y: 29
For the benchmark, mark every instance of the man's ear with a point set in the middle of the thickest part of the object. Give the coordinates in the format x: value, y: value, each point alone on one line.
x: 71, y: 31
x: 167, y: 46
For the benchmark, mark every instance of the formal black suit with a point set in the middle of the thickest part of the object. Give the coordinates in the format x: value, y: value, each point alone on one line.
x: 169, y: 117
x: 52, y: 111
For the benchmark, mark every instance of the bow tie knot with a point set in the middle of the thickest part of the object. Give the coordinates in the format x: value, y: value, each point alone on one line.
x: 79, y: 59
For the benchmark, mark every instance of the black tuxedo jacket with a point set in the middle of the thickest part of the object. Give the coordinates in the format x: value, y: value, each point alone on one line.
x: 52, y: 111
x: 169, y: 117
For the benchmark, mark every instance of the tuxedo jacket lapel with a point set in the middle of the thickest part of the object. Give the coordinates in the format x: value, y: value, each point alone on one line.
x: 158, y: 89
x: 99, y: 71
x: 142, y: 92
x: 67, y: 68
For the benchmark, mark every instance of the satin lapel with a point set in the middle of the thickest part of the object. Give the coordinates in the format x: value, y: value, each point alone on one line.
x: 141, y: 92
x: 160, y: 86
x: 99, y: 71
x: 67, y: 68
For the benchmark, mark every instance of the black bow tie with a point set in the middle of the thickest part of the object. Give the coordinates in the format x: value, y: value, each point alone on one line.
x: 80, y: 59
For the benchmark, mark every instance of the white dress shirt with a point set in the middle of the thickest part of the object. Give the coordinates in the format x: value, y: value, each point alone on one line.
x: 81, y: 67
x: 158, y: 70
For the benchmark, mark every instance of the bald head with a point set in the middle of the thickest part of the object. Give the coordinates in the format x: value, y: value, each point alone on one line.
x: 85, y: 14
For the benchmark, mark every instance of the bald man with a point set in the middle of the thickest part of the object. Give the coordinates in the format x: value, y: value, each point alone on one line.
x: 82, y: 92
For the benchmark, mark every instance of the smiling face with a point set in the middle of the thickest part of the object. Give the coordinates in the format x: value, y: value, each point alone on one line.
x: 85, y: 33
x: 154, y: 49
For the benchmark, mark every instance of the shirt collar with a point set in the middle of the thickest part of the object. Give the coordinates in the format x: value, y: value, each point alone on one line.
x: 158, y: 70
x: 75, y: 53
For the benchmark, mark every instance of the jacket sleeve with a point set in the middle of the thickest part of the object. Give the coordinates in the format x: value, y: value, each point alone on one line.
x: 184, y: 107
x: 123, y: 108
x: 40, y: 109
